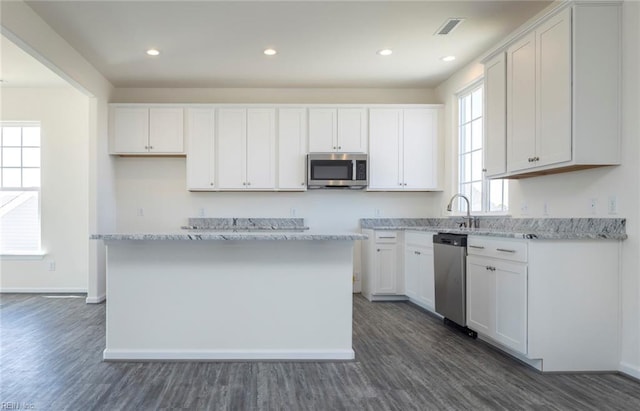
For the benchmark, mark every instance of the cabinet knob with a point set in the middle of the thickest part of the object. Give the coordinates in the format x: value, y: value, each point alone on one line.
x: 211, y: 184
x: 334, y: 147
x: 404, y: 184
x: 248, y: 183
x: 339, y: 147
x: 378, y: 250
x: 150, y: 147
x: 302, y: 184
x: 399, y: 184
x: 244, y: 184
x: 146, y: 147
x: 536, y: 158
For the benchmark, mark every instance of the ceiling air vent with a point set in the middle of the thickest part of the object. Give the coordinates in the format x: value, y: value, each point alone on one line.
x: 448, y: 26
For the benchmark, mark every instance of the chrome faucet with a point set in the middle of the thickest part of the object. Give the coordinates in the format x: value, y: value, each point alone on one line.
x: 471, y: 222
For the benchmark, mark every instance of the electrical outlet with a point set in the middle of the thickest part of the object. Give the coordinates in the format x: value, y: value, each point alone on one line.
x: 376, y: 212
x: 293, y: 212
x: 140, y: 212
x: 524, y: 208
x: 612, y: 205
x: 593, y: 206
x: 545, y: 209
x: 52, y: 266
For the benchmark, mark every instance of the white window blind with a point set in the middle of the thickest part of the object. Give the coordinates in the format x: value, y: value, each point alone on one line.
x: 19, y: 188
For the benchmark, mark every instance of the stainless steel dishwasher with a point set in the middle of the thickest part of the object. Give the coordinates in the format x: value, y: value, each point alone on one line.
x: 450, y: 265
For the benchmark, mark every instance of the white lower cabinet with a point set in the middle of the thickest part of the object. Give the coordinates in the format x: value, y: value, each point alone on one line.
x: 497, y: 300
x: 382, y: 277
x: 552, y: 303
x: 418, y: 269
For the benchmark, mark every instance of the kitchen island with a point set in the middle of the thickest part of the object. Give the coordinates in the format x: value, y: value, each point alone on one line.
x: 229, y: 296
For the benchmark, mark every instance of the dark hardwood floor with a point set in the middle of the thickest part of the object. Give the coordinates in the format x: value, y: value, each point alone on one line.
x: 51, y: 359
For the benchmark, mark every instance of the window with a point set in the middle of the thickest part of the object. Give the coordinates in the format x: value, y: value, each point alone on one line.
x: 19, y: 188
x: 484, y: 195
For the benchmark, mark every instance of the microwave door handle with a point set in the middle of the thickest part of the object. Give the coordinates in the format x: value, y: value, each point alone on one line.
x: 353, y: 174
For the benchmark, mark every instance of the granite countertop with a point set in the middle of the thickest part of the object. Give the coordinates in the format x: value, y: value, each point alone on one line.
x: 238, y: 229
x: 527, y: 228
x: 204, y: 235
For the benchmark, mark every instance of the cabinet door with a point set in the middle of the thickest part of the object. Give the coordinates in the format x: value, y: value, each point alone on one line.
x: 495, y: 116
x: 200, y: 149
x: 352, y: 130
x: 511, y: 305
x: 231, y: 148
x: 420, y: 149
x: 292, y: 149
x: 426, y: 279
x: 386, y: 269
x: 411, y: 271
x: 521, y: 104
x: 385, y: 132
x: 322, y: 130
x: 130, y: 130
x: 261, y: 150
x: 166, y: 130
x: 480, y: 295
x: 553, y: 81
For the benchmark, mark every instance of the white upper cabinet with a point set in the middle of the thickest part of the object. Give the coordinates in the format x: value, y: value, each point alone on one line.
x: 562, y: 93
x: 246, y: 149
x: 147, y: 130
x: 495, y: 116
x: 201, y: 149
x: 337, y: 130
x: 403, y: 149
x: 261, y: 149
x: 292, y: 149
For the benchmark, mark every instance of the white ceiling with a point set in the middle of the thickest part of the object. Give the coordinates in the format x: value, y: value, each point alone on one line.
x: 319, y: 43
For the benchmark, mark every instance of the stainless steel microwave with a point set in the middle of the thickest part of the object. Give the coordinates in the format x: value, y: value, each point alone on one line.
x: 337, y: 170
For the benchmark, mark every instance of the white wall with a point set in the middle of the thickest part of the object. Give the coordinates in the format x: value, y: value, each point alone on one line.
x: 271, y: 95
x: 569, y: 194
x: 64, y: 116
x: 20, y: 24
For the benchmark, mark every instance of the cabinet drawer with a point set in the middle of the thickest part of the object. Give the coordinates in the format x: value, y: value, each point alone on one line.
x: 386, y: 237
x: 419, y: 238
x: 512, y: 250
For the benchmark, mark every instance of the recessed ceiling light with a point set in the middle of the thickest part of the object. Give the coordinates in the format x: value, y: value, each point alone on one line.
x: 385, y: 52
x: 153, y: 52
x: 448, y: 58
x: 270, y: 52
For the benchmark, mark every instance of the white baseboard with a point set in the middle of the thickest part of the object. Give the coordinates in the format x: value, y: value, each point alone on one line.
x: 35, y: 290
x: 96, y: 300
x: 227, y: 355
x: 630, y: 370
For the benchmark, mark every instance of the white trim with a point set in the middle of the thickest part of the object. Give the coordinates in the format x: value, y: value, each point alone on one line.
x: 630, y: 370
x: 37, y: 290
x: 27, y: 256
x: 228, y: 355
x: 96, y: 300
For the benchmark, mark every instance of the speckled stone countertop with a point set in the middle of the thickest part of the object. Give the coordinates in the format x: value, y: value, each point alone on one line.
x: 527, y: 228
x: 203, y: 235
x: 238, y: 229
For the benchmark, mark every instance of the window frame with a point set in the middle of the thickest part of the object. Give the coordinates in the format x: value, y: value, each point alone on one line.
x: 459, y: 208
x: 38, y: 252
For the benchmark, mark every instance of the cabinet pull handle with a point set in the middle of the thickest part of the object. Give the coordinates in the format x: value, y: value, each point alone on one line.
x: 505, y: 250
x: 537, y: 158
x: 479, y: 247
x: 387, y: 237
x: 417, y: 252
x: 484, y: 170
x: 490, y: 268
